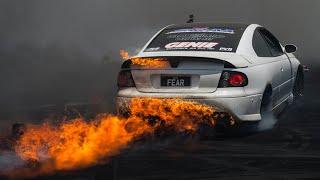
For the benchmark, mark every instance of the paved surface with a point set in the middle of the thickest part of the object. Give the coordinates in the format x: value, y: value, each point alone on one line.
x: 291, y: 150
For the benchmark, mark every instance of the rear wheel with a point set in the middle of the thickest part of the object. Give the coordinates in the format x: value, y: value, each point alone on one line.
x: 268, y: 119
x: 245, y: 128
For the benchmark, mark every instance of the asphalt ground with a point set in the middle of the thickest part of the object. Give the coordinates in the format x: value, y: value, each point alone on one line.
x: 290, y: 150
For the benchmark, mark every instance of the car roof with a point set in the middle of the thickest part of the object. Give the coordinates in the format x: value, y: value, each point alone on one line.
x: 243, y: 48
x: 241, y: 26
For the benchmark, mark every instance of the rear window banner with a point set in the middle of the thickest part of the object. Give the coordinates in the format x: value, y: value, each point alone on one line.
x: 196, y: 39
x: 202, y: 30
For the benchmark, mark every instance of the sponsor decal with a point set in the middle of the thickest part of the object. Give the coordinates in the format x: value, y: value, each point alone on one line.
x: 191, y: 45
x: 153, y: 49
x: 225, y: 49
x: 202, y: 30
x: 195, y: 37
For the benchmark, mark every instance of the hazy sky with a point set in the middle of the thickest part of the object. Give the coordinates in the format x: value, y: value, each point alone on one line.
x: 98, y: 26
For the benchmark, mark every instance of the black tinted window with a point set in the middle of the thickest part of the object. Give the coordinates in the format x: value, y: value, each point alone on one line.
x: 273, y: 43
x: 259, y: 45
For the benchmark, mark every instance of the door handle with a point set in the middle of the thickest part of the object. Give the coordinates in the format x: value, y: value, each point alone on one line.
x: 281, y: 69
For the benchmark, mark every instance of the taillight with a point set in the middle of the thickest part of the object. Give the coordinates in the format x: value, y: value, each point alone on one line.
x: 125, y: 79
x: 233, y: 79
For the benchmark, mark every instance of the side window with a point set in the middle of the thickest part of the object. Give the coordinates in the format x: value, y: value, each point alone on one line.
x: 259, y: 45
x: 273, y: 43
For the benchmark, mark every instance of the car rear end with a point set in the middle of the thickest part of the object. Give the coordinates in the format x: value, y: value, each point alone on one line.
x: 194, y: 71
x: 210, y: 81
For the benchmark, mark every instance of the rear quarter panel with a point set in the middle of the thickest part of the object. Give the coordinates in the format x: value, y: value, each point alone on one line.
x: 260, y: 75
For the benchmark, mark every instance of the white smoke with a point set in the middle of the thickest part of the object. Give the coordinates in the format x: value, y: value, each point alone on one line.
x: 267, y: 122
x: 9, y: 160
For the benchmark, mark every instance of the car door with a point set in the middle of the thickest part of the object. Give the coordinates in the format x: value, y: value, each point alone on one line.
x: 285, y: 68
x: 269, y: 61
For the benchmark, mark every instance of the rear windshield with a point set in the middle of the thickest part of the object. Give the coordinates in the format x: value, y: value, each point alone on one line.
x: 222, y: 39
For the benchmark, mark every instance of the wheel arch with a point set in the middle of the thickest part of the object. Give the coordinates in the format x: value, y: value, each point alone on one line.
x: 266, y: 101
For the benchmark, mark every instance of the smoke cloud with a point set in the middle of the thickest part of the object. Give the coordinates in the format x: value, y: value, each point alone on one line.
x: 267, y: 122
x: 10, y: 160
x: 53, y: 52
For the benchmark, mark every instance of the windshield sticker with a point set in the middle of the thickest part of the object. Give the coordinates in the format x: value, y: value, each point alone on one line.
x: 191, y: 45
x: 225, y: 49
x: 202, y: 30
x: 153, y: 49
x: 195, y: 37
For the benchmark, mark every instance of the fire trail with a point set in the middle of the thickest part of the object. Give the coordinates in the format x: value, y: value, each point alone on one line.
x: 78, y: 143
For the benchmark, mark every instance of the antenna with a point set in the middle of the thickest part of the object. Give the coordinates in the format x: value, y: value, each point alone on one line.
x: 191, y: 16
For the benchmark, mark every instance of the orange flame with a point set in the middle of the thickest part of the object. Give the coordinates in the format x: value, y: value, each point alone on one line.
x: 79, y: 144
x: 124, y: 54
x: 151, y: 62
x: 145, y: 62
x: 182, y: 115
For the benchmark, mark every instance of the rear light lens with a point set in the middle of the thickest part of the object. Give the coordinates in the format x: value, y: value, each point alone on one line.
x: 233, y: 79
x: 125, y: 79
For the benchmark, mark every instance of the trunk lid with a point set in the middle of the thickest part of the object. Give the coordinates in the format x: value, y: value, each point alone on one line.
x: 180, y: 75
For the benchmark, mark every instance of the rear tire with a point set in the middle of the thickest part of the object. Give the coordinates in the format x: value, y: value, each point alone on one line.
x: 268, y: 119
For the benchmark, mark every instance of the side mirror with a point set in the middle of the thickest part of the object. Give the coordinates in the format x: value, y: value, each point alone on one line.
x: 290, y: 48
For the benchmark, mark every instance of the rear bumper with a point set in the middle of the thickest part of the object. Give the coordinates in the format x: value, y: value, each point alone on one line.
x: 242, y: 108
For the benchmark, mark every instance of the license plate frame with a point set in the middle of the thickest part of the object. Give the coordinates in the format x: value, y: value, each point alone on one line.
x: 175, y: 81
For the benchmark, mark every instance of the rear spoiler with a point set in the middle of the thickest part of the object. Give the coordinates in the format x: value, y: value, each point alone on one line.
x: 235, y: 59
x: 174, y: 60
